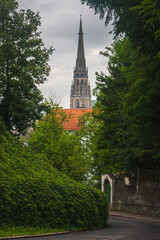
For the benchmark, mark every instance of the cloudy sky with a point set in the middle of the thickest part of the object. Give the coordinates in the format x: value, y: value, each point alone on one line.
x: 59, y: 27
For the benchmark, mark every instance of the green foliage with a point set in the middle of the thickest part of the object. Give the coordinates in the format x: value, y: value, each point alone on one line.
x: 139, y: 20
x: 23, y: 66
x: 128, y: 98
x: 111, y: 119
x: 125, y: 124
x: 63, y: 150
x: 35, y: 194
x: 148, y: 11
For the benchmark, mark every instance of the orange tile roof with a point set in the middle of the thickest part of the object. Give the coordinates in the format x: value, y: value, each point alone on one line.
x: 72, y: 123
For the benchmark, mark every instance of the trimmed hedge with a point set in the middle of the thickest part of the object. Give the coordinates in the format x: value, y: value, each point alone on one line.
x: 32, y: 193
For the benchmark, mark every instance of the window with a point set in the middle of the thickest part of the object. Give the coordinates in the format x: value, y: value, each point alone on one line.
x: 77, y: 103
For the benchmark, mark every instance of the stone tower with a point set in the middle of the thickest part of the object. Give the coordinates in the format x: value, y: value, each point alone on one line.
x: 80, y: 96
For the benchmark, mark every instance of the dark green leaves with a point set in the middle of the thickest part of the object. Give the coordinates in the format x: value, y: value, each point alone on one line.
x: 35, y: 194
x: 63, y: 150
x: 128, y: 98
x: 23, y: 66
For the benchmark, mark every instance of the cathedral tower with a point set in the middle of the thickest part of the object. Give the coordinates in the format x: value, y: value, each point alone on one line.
x: 80, y: 96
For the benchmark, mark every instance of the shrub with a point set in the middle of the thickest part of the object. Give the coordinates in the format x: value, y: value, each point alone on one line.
x: 33, y: 193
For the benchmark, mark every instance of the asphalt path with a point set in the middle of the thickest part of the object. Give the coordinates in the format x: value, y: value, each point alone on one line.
x: 118, y: 228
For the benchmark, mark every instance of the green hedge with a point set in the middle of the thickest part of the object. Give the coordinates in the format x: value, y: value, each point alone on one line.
x: 32, y: 193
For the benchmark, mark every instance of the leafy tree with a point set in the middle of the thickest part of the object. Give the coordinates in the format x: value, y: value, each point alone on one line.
x: 63, y: 150
x: 23, y: 66
x: 110, y: 153
x: 90, y: 125
x: 139, y: 21
x: 143, y: 106
x: 126, y: 136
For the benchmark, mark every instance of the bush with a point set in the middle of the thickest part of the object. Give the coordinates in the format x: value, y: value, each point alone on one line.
x: 33, y: 193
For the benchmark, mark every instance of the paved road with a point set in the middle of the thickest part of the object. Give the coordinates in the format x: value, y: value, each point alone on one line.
x: 119, y: 228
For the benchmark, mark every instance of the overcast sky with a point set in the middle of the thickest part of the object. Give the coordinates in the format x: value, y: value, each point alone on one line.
x: 59, y: 27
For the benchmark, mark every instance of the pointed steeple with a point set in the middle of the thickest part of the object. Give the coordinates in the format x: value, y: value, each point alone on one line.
x: 80, y: 62
x: 80, y: 96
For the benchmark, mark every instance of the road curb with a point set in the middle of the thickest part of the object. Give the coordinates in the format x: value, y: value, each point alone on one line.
x: 33, y: 236
x: 135, y: 216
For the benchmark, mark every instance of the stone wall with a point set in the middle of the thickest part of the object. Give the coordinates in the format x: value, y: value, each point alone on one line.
x: 140, y: 197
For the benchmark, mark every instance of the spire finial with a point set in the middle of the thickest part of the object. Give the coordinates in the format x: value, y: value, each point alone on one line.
x: 80, y: 27
x: 80, y: 63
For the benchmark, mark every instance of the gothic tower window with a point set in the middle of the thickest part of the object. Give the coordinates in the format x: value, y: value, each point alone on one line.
x: 77, y: 104
x: 80, y: 89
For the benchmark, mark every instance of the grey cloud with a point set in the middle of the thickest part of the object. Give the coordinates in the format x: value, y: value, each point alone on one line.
x: 60, y: 26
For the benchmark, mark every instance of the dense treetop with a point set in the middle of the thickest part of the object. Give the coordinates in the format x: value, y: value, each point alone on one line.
x: 23, y: 66
x: 128, y: 105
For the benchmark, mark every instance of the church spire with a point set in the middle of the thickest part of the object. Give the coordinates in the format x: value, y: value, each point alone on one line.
x: 80, y: 62
x: 80, y: 97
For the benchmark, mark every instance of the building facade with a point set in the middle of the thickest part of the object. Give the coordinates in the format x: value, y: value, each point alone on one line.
x: 80, y: 95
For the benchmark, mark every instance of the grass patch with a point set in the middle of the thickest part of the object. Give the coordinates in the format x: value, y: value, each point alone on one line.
x: 21, y: 231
